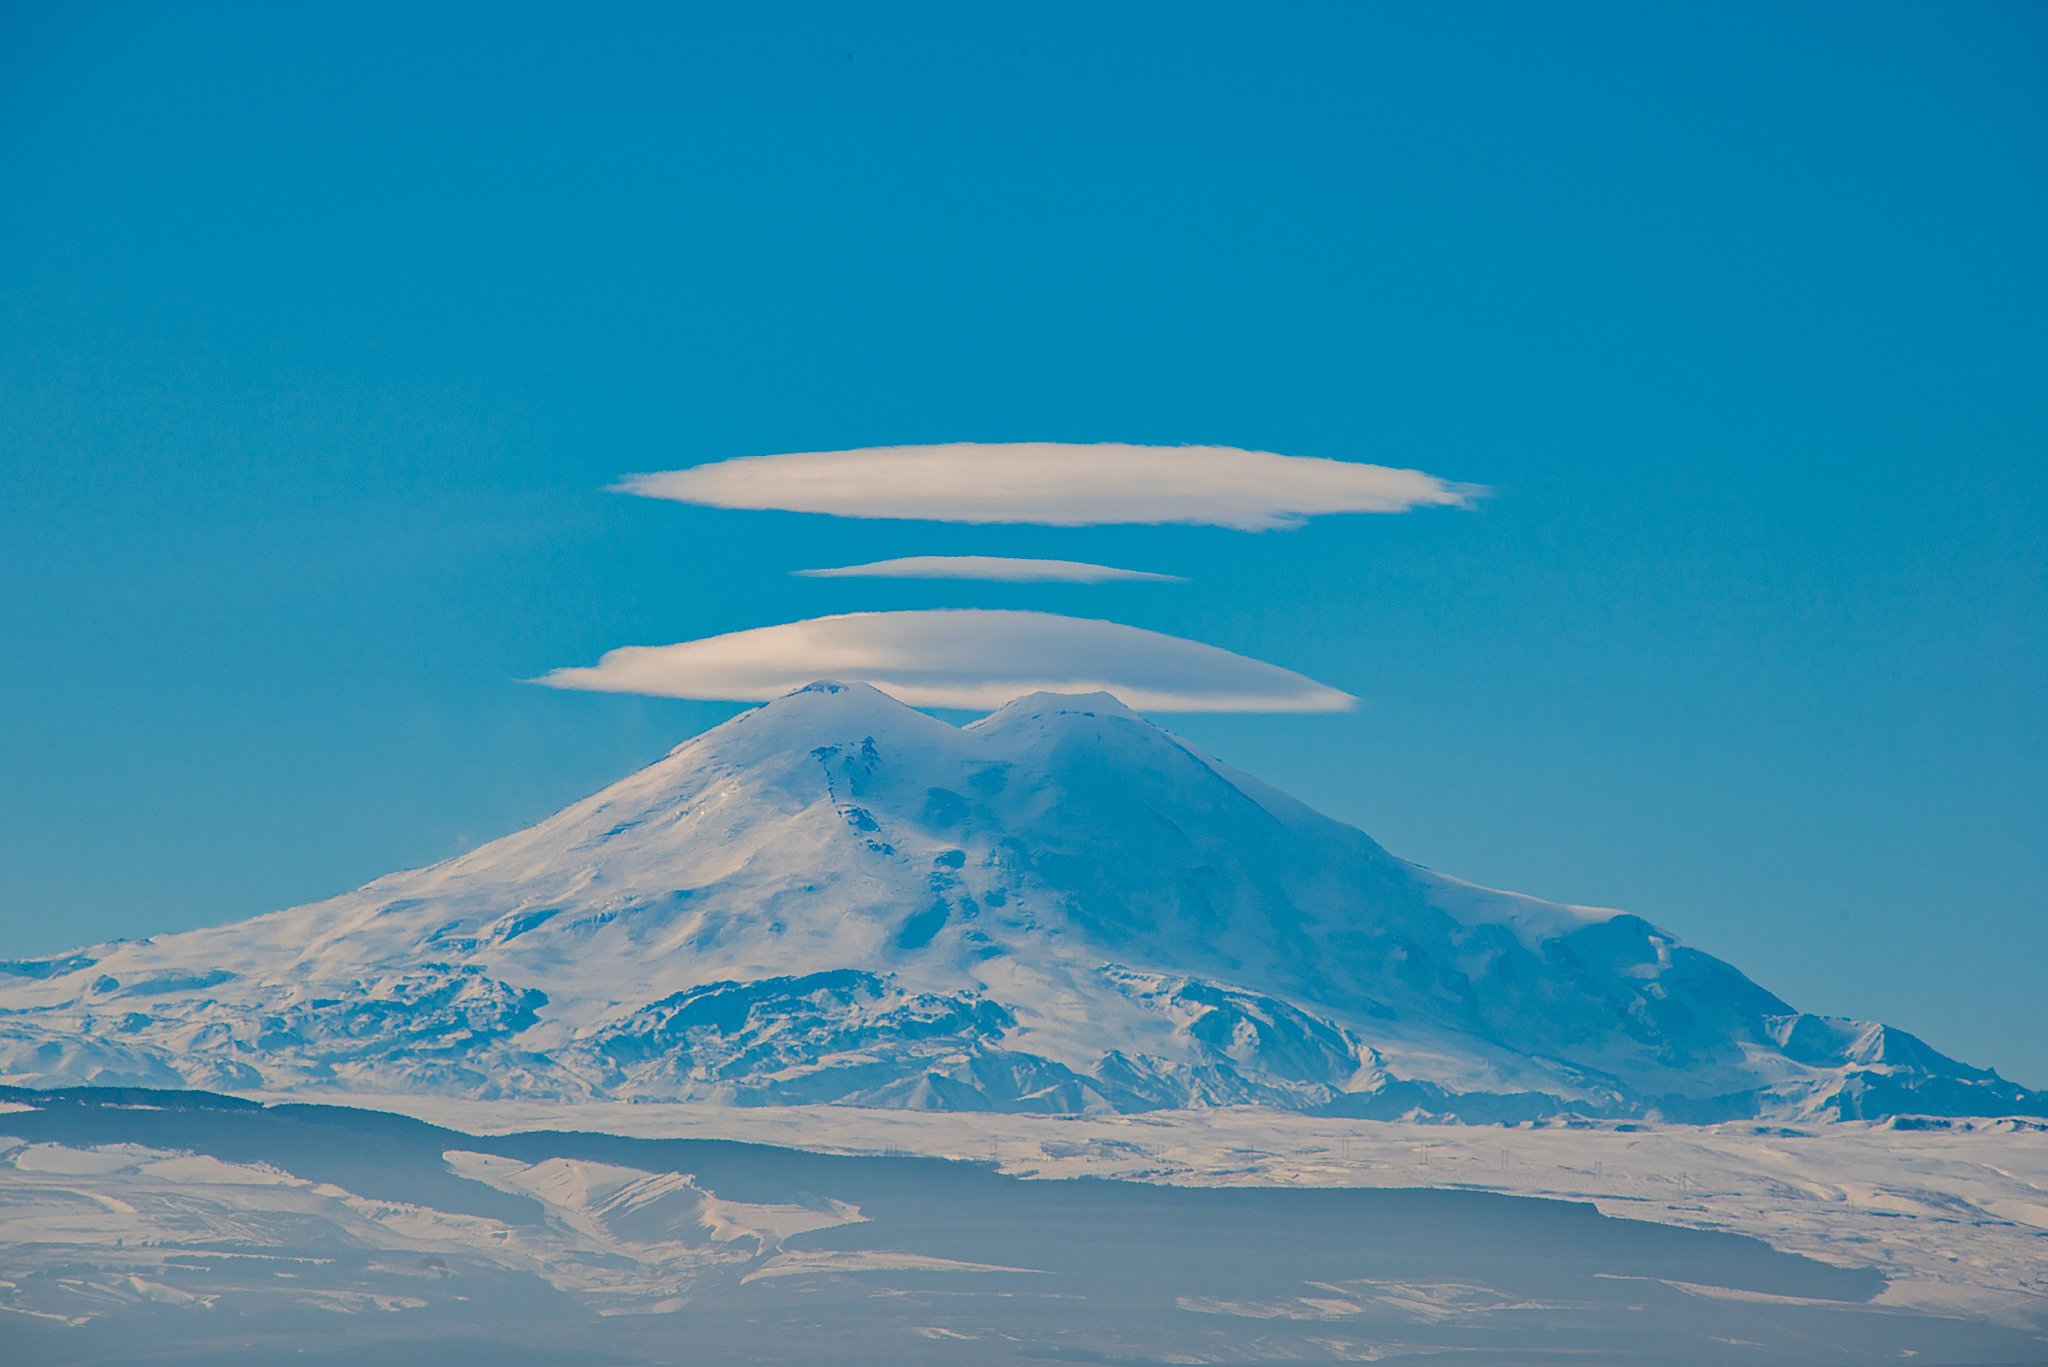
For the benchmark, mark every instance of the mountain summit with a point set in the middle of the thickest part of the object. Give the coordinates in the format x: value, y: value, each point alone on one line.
x: 1061, y: 907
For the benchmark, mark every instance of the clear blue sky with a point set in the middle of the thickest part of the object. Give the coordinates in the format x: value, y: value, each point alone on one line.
x: 323, y: 327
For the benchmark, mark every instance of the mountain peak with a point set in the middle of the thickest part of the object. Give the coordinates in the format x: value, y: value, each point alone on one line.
x: 826, y: 711
x: 1098, y: 703
x: 850, y: 698
x: 836, y: 697
x: 1062, y: 906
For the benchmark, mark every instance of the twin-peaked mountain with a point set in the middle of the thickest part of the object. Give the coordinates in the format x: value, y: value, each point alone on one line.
x: 835, y: 898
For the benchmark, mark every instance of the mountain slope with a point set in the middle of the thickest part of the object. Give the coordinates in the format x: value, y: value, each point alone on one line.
x: 1059, y: 907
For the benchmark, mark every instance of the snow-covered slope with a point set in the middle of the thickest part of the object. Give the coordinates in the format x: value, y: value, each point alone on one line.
x: 1060, y: 908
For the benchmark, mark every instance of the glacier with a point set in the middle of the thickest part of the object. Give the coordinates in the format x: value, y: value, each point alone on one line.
x: 1060, y: 908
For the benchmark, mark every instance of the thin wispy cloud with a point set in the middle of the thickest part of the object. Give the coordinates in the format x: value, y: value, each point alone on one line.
x: 996, y: 567
x: 1057, y: 484
x: 964, y: 658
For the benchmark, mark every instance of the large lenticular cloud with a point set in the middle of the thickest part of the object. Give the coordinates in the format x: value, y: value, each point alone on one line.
x: 968, y: 658
x: 1057, y: 484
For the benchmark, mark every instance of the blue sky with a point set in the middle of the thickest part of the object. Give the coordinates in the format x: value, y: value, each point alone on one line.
x: 327, y: 328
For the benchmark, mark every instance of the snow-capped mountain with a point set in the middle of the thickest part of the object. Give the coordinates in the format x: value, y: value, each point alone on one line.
x: 835, y: 898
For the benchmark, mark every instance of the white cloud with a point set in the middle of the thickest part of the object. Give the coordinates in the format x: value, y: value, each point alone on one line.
x: 967, y: 658
x: 989, y: 567
x: 1057, y: 484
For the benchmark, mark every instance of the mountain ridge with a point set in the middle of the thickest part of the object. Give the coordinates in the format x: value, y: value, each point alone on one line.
x: 1061, y: 906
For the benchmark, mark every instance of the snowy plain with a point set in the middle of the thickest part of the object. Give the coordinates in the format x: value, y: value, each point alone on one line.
x: 890, y: 1235
x: 1955, y: 1214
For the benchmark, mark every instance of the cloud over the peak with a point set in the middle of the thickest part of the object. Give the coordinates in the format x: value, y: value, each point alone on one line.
x: 995, y: 567
x: 1057, y: 484
x: 965, y: 658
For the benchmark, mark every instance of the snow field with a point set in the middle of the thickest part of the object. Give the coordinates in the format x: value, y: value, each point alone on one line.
x: 1956, y: 1218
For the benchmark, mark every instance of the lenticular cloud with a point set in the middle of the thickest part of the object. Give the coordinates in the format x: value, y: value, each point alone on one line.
x: 1057, y: 484
x: 1003, y: 569
x: 966, y: 658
